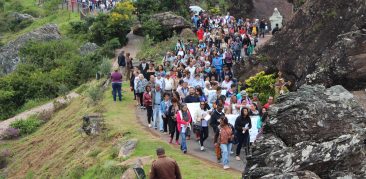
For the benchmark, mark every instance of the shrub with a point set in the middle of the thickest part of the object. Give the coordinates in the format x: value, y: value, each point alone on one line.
x: 109, y: 48
x: 155, y: 30
x: 11, y: 133
x: 27, y: 126
x: 95, y: 94
x: 76, y: 172
x: 63, y: 90
x: 261, y: 84
x: 105, y: 67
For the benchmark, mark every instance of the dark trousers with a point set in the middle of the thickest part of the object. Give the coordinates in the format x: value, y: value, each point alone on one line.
x: 165, y: 124
x: 243, y: 139
x: 173, y: 129
x: 149, y: 114
x: 116, y: 89
x: 203, y: 135
x: 140, y: 95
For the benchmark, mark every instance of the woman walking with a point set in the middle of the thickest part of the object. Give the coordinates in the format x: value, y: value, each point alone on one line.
x: 184, y: 120
x: 201, y: 115
x: 172, y: 120
x: 116, y: 78
x: 140, y: 88
x: 147, y: 99
x: 224, y: 139
x: 242, y: 126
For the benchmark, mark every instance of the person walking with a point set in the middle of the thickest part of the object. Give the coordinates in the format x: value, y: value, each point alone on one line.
x: 129, y: 66
x: 184, y: 120
x: 224, y: 139
x: 214, y: 123
x: 116, y: 78
x: 201, y: 116
x: 164, y: 167
x: 141, y: 83
x: 147, y: 98
x: 122, y: 62
x: 157, y: 98
x: 172, y: 120
x: 164, y: 107
x: 242, y: 125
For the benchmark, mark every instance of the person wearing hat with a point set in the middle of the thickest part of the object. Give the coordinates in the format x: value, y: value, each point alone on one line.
x: 116, y: 79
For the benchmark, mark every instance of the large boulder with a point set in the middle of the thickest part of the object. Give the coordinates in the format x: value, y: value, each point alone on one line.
x: 314, y: 129
x: 171, y: 20
x: 9, y: 57
x: 19, y: 17
x: 323, y: 43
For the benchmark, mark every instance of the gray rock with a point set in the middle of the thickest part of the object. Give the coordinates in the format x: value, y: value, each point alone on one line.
x: 171, y: 20
x: 127, y: 148
x: 9, y: 57
x: 314, y: 129
x: 293, y: 175
x: 88, y: 48
x: 21, y: 17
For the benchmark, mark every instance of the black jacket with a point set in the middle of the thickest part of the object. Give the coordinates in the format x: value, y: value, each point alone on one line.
x: 240, y: 122
x: 121, y: 60
x: 191, y: 99
x: 144, y: 70
x: 214, y: 121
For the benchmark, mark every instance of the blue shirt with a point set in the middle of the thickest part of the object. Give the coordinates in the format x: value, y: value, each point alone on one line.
x: 157, y: 97
x: 217, y: 62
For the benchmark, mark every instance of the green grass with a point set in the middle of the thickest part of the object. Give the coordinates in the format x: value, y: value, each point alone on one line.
x: 57, y: 150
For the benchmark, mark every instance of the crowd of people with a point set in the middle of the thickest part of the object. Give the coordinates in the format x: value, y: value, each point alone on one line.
x: 100, y: 5
x: 201, y: 72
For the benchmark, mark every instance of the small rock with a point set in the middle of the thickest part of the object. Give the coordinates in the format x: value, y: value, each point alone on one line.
x: 88, y: 48
x: 127, y: 148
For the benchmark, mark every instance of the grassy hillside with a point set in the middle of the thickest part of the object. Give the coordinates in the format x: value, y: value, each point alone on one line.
x: 57, y: 150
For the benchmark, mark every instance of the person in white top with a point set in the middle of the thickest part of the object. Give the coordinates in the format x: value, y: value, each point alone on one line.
x: 202, y: 117
x: 191, y: 68
x: 169, y: 83
x: 160, y: 80
x: 207, y: 88
x: 226, y: 84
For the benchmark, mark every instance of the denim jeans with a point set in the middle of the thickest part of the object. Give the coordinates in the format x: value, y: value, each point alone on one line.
x: 157, y: 117
x: 116, y: 88
x: 225, y: 151
x: 183, y: 143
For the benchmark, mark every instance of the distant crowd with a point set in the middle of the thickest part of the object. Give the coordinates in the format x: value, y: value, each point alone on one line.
x: 194, y: 88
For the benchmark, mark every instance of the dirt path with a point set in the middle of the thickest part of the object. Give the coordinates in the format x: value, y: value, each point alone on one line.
x: 37, y: 110
x: 133, y: 47
x: 193, y: 146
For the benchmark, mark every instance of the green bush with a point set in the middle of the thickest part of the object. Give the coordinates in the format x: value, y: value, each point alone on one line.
x: 76, y: 172
x: 155, y: 30
x: 108, y: 49
x: 95, y: 94
x: 27, y: 126
x: 105, y: 67
x: 261, y: 84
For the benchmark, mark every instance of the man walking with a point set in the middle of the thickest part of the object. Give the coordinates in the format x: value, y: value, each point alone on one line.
x: 157, y: 98
x: 122, y: 62
x: 164, y: 167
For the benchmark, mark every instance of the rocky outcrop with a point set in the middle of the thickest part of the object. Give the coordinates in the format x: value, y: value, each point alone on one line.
x: 19, y: 17
x: 171, y: 21
x: 314, y: 129
x: 88, y: 48
x: 324, y: 43
x: 127, y: 148
x: 9, y: 57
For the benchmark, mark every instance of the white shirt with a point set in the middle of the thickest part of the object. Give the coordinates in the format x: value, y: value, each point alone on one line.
x: 160, y: 82
x: 191, y: 70
x: 169, y: 83
x: 226, y: 85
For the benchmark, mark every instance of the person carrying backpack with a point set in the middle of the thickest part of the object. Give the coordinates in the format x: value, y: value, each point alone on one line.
x: 122, y: 62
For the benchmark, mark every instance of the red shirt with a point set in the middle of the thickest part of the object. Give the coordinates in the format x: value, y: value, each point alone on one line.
x: 267, y: 105
x: 200, y: 34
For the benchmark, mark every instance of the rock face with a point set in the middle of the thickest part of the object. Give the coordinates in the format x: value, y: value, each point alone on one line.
x: 22, y: 17
x: 171, y: 21
x: 314, y: 129
x: 324, y: 43
x: 9, y: 53
x: 127, y: 148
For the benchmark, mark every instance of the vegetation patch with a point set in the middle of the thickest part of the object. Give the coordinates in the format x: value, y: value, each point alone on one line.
x: 27, y: 126
x: 261, y: 84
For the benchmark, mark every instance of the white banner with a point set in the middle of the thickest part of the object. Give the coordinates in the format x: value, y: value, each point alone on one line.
x: 193, y: 108
x: 253, y: 132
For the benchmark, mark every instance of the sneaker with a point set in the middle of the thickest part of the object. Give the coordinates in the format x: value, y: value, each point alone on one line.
x: 202, y: 148
x: 177, y: 142
x: 237, y: 158
x: 171, y: 140
x: 226, y: 167
x: 184, y: 151
x: 231, y: 152
x: 149, y: 125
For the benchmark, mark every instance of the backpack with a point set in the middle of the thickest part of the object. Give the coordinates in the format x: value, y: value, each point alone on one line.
x: 228, y: 57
